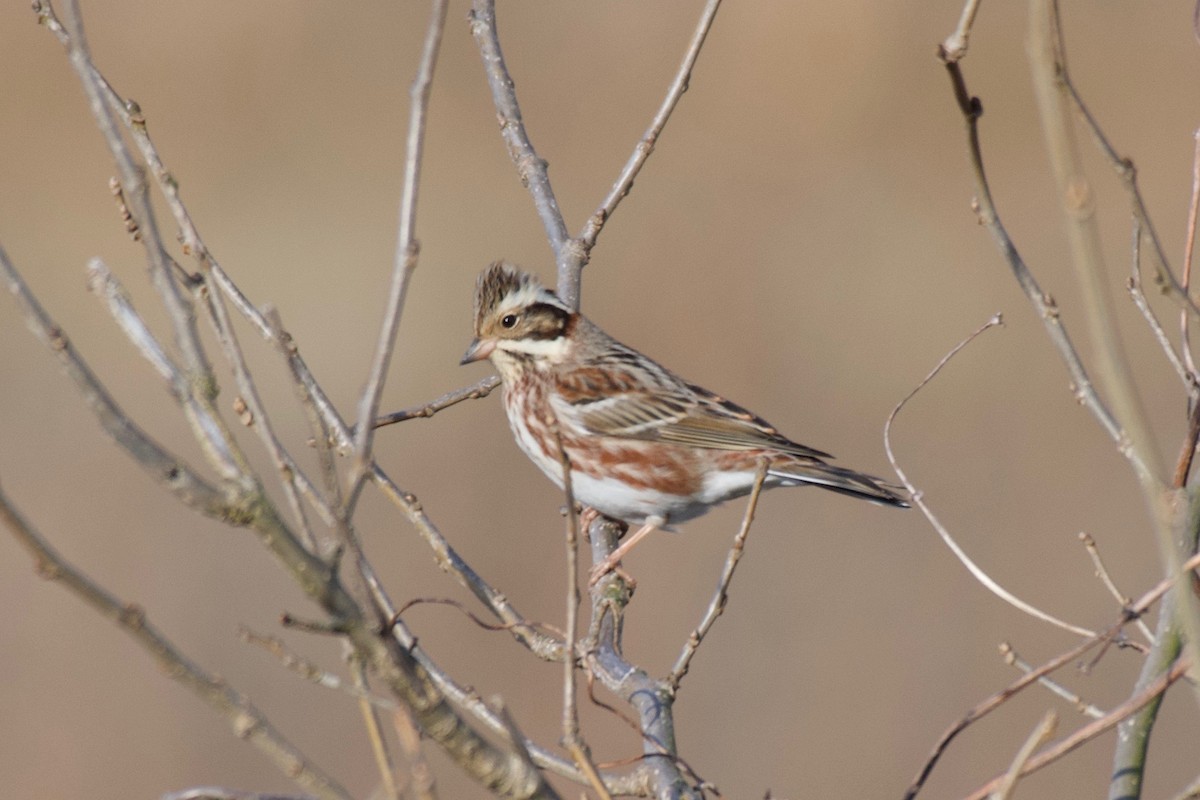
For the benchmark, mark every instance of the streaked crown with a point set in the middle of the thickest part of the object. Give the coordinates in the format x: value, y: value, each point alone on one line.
x: 518, y: 321
x: 503, y: 287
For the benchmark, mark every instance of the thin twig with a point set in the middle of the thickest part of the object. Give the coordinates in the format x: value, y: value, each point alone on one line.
x: 530, y: 167
x: 1185, y: 344
x: 292, y: 477
x: 716, y: 606
x: 546, y: 647
x: 976, y: 571
x: 1012, y: 659
x: 573, y: 739
x: 1187, y: 451
x: 370, y: 714
x: 1037, y: 737
x: 221, y: 793
x: 102, y: 283
x: 421, y: 779
x: 180, y: 479
x: 1092, y: 729
x: 1127, y: 173
x: 407, y: 249
x: 246, y: 720
x: 1191, y: 792
x: 216, y: 441
x: 1048, y: 62
x: 1043, y: 304
x: 1089, y: 545
x: 307, y: 669
x: 993, y: 702
x: 645, y: 146
x: 473, y: 392
x: 955, y: 45
x: 1138, y: 294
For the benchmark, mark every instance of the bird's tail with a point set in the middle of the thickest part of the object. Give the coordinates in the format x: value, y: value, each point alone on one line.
x: 841, y: 480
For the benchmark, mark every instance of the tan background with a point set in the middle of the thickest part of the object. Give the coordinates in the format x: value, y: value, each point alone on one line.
x: 801, y: 241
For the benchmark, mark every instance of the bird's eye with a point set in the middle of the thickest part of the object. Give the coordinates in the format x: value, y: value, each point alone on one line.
x: 509, y: 320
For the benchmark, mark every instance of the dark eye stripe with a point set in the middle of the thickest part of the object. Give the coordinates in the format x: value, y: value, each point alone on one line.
x: 545, y: 321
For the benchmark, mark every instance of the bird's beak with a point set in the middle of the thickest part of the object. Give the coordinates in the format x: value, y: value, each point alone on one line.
x: 479, y: 350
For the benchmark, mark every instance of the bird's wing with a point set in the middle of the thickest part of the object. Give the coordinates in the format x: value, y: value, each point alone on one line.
x: 610, y: 400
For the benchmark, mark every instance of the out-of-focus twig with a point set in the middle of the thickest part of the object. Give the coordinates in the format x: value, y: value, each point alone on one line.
x: 980, y: 710
x: 1089, y: 545
x: 246, y: 720
x: 1083, y: 707
x: 1048, y: 61
x: 1037, y: 737
x: 371, y: 721
x: 1092, y: 729
x: 1138, y: 294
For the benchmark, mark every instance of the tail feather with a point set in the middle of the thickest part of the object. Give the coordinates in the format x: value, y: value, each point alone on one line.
x: 843, y: 481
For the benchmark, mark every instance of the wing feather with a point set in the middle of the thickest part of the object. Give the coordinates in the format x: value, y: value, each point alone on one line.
x: 613, y: 400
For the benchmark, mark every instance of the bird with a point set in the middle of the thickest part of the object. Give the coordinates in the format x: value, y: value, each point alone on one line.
x: 644, y: 446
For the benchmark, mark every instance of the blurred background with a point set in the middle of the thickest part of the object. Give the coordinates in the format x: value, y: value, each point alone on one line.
x: 801, y: 241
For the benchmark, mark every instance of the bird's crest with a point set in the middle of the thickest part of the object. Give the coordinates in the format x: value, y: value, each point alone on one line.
x: 504, y: 284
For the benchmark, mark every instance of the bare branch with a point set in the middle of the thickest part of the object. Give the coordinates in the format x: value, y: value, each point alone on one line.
x: 1089, y: 544
x: 919, y: 501
x: 1093, y: 729
x: 202, y: 383
x: 572, y: 737
x: 530, y: 167
x: 206, y: 426
x: 246, y: 720
x: 166, y: 468
x: 1139, y: 299
x: 1083, y: 234
x: 645, y: 146
x: 1043, y: 304
x: 307, y: 669
x: 1037, y: 737
x: 370, y: 714
x: 1185, y: 344
x: 985, y: 707
x: 407, y: 249
x: 292, y: 478
x: 716, y: 606
x: 421, y: 780
x: 1011, y: 658
x: 473, y: 392
x: 220, y: 793
x: 955, y: 45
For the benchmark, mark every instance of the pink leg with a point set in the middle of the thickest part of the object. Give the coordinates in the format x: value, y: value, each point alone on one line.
x: 586, y: 518
x: 609, y: 564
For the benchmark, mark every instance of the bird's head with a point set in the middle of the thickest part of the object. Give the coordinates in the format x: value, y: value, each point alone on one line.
x: 518, y: 321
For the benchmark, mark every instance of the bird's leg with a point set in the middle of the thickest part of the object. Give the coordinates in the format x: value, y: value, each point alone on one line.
x: 609, y: 564
x: 586, y: 518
